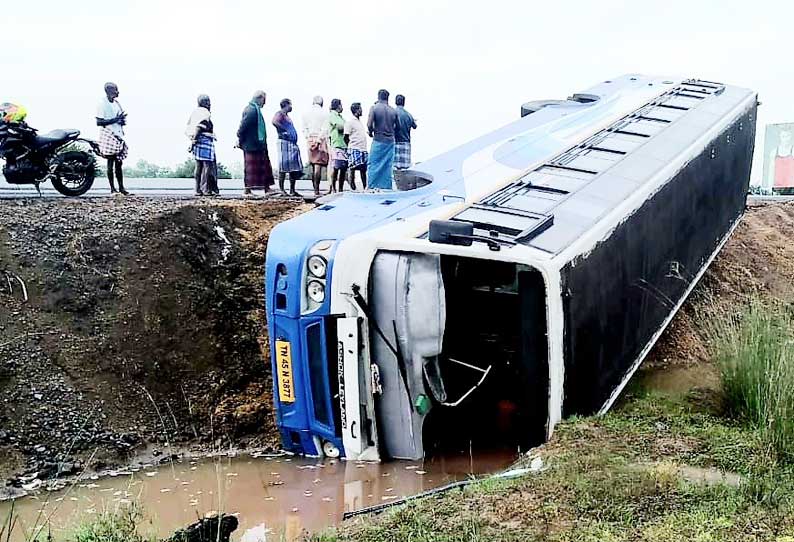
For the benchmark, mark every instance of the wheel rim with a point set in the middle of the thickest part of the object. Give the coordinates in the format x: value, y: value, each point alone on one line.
x: 72, y: 174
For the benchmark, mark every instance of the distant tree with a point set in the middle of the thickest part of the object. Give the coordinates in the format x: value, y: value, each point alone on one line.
x: 185, y: 170
x: 223, y: 173
x: 146, y: 170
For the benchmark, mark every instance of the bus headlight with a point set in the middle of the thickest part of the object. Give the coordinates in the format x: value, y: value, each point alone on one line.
x: 317, y: 266
x: 316, y: 291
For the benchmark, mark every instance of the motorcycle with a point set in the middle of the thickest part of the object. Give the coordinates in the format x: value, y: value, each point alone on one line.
x: 33, y: 159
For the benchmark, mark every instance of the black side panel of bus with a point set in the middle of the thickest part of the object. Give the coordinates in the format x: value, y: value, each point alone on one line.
x: 618, y: 296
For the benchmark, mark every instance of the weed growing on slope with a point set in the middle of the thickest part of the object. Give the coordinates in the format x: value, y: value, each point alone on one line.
x: 756, y: 359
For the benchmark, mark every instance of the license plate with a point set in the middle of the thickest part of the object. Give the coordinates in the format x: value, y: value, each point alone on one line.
x: 286, y: 388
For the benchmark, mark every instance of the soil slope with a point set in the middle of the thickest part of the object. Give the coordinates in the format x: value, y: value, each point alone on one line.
x: 757, y: 261
x: 127, y: 322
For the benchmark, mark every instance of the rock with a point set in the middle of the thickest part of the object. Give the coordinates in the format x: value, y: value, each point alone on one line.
x: 207, y: 530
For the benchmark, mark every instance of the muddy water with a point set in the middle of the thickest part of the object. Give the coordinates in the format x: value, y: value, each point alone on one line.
x: 274, y: 498
x: 681, y: 380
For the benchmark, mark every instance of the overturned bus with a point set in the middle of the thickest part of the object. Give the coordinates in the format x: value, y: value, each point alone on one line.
x: 510, y: 282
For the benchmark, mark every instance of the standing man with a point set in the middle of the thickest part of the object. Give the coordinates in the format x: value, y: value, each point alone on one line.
x: 315, y: 125
x: 336, y: 128
x: 252, y: 139
x: 380, y: 124
x: 290, y: 156
x: 111, y: 118
x: 356, y: 137
x: 202, y: 145
x: 402, y: 135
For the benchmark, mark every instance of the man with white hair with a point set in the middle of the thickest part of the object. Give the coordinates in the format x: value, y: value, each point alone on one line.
x: 111, y: 119
x: 315, y: 124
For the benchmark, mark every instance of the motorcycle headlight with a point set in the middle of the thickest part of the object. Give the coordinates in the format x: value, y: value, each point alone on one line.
x: 316, y: 291
x: 317, y: 266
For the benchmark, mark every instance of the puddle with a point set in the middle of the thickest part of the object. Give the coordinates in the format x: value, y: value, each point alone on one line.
x: 274, y: 498
x: 709, y: 477
x: 680, y: 380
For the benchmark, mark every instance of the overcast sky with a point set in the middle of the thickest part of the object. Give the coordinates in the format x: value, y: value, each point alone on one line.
x: 463, y: 70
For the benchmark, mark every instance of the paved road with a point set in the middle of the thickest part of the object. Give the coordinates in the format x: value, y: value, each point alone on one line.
x: 230, y: 188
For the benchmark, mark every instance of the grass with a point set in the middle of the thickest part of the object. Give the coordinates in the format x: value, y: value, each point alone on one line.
x: 755, y: 355
x: 623, y: 476
x: 615, y: 478
x: 117, y: 525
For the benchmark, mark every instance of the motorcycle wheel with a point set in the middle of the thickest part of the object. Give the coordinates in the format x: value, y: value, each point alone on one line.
x: 74, y: 174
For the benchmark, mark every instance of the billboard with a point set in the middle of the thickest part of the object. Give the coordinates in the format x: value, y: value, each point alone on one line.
x: 779, y: 159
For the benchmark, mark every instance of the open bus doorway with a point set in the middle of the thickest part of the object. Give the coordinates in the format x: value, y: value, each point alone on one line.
x: 467, y: 338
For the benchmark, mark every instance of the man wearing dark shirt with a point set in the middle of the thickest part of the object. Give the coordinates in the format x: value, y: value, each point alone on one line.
x: 381, y: 125
x: 402, y: 135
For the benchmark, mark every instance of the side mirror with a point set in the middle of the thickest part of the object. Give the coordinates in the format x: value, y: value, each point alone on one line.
x: 451, y: 232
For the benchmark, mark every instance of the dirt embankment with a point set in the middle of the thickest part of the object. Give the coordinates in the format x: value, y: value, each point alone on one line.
x: 756, y: 262
x: 131, y: 322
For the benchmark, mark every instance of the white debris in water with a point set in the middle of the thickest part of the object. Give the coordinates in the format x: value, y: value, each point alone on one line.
x: 256, y: 534
x: 421, y: 472
x: 389, y: 497
x: 411, y: 467
x: 389, y: 490
x: 35, y: 484
x: 307, y: 493
x: 231, y: 474
x: 270, y: 498
x: 327, y: 499
x: 150, y: 474
x: 165, y: 490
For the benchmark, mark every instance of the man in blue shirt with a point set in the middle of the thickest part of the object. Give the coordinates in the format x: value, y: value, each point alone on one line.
x: 381, y: 123
x: 402, y: 135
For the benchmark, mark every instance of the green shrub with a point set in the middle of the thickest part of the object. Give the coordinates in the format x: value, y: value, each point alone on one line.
x: 754, y: 352
x: 117, y: 525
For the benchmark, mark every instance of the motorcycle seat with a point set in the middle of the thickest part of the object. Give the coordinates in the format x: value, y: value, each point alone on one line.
x: 56, y: 136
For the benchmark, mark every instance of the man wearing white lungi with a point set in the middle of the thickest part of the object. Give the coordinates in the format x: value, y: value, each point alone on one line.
x: 111, y: 118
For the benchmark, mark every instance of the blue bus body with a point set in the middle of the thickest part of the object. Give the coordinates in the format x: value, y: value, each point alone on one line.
x: 359, y: 353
